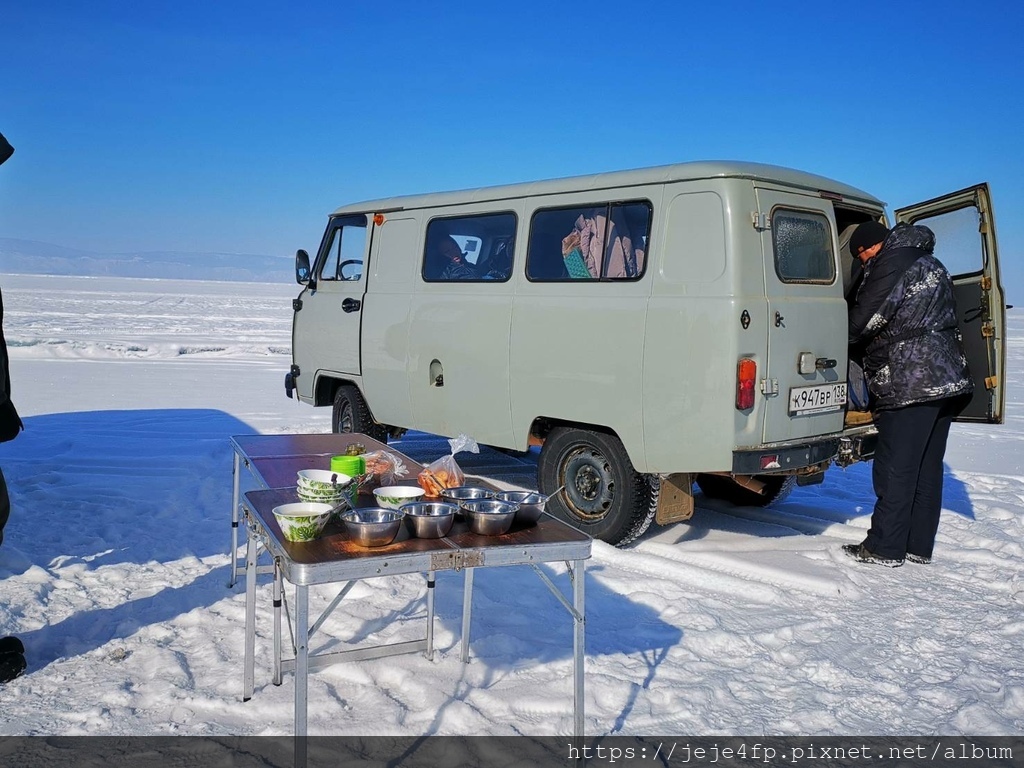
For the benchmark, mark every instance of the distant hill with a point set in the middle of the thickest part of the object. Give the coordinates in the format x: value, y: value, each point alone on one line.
x: 31, y: 257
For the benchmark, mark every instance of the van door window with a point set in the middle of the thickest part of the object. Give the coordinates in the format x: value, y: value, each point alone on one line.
x: 470, y: 248
x: 957, y: 244
x: 596, y: 242
x: 803, y: 247
x: 343, y: 257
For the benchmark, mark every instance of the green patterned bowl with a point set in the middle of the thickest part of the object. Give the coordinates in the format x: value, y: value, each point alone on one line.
x: 394, y: 496
x: 303, y: 521
x: 322, y: 479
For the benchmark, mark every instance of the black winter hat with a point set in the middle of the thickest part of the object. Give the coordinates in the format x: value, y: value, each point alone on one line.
x: 866, y: 235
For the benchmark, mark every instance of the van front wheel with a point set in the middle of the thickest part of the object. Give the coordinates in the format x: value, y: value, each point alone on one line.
x: 603, y: 496
x: 352, y: 414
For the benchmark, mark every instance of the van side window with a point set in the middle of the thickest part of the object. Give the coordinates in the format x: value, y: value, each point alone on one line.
x: 602, y: 242
x: 803, y: 247
x: 470, y: 248
x: 346, y: 247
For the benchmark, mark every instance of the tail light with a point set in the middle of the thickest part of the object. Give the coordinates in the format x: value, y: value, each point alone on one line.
x: 746, y: 376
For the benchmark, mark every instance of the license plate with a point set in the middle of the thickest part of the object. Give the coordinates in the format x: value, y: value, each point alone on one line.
x: 817, y: 399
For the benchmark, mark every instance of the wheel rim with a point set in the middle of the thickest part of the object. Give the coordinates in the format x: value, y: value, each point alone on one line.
x: 589, y: 484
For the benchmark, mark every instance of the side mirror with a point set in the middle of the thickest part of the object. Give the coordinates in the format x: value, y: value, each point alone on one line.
x: 302, y: 271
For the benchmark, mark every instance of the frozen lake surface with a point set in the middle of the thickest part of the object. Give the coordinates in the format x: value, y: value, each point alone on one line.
x: 739, y: 621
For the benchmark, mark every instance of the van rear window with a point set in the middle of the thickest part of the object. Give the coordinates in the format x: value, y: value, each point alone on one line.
x: 803, y: 247
x: 595, y: 242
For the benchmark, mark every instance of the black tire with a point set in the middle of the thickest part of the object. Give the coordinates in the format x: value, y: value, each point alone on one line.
x: 604, y: 496
x: 776, y: 488
x: 352, y: 414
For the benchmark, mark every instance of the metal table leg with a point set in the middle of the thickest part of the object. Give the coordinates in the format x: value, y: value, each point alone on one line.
x: 301, y: 664
x: 430, y: 615
x: 278, y: 591
x: 233, y: 552
x: 250, y: 613
x: 578, y: 645
x: 467, y: 611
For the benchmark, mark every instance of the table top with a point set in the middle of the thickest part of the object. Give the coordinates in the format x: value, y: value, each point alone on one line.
x: 280, y: 472
x: 335, y: 556
x: 324, y: 444
x: 275, y: 459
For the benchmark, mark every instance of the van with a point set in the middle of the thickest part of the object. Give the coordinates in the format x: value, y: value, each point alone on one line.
x: 650, y: 330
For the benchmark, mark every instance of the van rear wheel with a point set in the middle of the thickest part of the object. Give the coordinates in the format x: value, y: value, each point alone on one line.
x: 776, y: 488
x: 604, y: 496
x: 352, y: 414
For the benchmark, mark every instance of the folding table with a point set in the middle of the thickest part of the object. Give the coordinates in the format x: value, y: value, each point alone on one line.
x: 335, y: 558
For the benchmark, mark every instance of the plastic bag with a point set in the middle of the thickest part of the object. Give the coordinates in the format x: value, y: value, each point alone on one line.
x: 858, y: 395
x: 382, y: 468
x: 445, y: 472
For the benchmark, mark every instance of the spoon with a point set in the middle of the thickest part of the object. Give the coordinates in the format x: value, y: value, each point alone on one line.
x: 341, y: 507
x: 557, y: 491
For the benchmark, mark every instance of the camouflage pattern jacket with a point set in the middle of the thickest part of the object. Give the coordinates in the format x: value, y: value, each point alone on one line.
x: 903, y: 323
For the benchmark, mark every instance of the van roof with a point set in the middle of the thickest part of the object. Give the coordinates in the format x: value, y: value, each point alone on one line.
x: 617, y: 179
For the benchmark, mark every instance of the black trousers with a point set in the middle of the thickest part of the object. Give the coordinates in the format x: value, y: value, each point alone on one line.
x: 5, y: 505
x: 907, y: 476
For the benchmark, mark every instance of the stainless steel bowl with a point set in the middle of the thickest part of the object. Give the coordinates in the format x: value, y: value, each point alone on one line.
x: 531, y: 504
x: 371, y: 526
x: 466, y: 493
x: 489, y: 517
x: 429, y: 519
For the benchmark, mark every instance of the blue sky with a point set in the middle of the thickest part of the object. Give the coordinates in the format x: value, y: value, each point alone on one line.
x: 237, y: 127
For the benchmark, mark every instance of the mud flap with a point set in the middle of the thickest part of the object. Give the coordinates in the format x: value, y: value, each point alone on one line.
x: 675, y: 501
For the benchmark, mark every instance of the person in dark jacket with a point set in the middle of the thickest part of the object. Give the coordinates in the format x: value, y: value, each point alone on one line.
x: 903, y: 323
x: 12, y: 652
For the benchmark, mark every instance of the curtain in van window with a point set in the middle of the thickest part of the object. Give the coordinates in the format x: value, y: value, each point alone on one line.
x: 594, y: 242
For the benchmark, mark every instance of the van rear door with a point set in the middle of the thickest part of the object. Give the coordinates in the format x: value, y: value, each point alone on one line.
x: 965, y: 242
x: 804, y: 384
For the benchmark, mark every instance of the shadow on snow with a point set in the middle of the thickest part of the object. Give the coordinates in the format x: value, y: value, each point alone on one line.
x: 153, y: 488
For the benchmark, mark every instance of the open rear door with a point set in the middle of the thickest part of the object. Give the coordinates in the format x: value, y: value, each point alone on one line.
x: 965, y: 242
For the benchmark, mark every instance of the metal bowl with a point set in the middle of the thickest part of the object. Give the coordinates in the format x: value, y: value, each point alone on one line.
x: 463, y: 493
x: 429, y: 519
x: 489, y: 517
x: 372, y: 526
x: 531, y: 505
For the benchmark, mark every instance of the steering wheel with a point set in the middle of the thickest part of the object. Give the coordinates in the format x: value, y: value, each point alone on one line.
x: 341, y: 269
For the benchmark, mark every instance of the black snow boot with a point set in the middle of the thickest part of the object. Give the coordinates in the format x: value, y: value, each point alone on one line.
x: 12, y: 659
x: 11, y: 645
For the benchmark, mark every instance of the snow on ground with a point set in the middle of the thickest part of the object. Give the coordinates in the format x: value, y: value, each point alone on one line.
x: 740, y: 621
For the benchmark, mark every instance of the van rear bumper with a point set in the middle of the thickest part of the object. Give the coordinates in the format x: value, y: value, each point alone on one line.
x: 784, y: 458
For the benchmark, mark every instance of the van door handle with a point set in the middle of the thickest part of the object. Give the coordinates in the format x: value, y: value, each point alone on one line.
x: 351, y: 305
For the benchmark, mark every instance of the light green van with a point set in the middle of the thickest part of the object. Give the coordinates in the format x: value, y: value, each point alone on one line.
x: 649, y: 329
